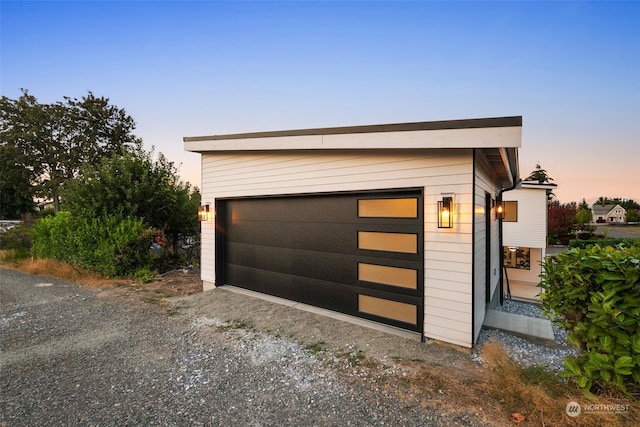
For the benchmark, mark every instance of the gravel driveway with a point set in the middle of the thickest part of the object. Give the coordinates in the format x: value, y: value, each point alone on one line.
x: 77, y: 356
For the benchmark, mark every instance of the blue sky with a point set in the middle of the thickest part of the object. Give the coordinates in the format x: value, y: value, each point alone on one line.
x: 571, y: 69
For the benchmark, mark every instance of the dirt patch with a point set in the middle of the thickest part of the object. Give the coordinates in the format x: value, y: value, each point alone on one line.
x: 174, y: 283
x: 428, y: 374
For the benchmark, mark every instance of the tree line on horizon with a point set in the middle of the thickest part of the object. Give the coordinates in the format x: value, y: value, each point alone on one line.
x: 542, y: 176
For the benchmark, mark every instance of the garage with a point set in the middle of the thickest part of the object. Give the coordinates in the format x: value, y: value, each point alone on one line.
x: 392, y: 223
x: 358, y: 253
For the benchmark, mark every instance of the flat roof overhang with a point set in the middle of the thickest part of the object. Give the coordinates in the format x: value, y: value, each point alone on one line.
x: 536, y: 184
x: 498, y: 137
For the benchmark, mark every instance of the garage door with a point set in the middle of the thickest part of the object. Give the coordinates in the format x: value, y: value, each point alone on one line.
x: 359, y: 254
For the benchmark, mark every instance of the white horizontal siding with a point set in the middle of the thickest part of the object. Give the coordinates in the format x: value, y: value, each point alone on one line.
x: 530, y: 230
x: 207, y: 251
x: 443, y: 333
x: 448, y: 266
x: 207, y: 239
x: 452, y: 324
x: 485, y: 181
x: 453, y: 279
x: 275, y: 173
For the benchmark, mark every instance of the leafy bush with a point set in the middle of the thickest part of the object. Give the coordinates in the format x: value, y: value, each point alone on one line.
x: 112, y: 245
x: 16, y: 238
x: 46, y: 212
x: 609, y: 241
x: 594, y: 293
x: 15, y: 243
x: 144, y: 275
x: 134, y: 184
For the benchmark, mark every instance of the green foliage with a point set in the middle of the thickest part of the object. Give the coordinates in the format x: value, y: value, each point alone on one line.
x: 609, y: 241
x: 584, y: 205
x: 133, y: 184
x: 316, y: 347
x: 625, y: 203
x: 46, y: 212
x: 114, y: 245
x: 16, y: 242
x: 633, y: 215
x: 49, y: 142
x: 15, y: 188
x: 144, y: 275
x: 594, y: 293
x: 539, y: 175
x: 583, y: 216
x: 16, y: 238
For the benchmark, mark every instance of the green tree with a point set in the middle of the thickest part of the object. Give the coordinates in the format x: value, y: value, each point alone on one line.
x: 583, y: 217
x: 633, y: 215
x: 542, y: 177
x: 16, y: 193
x: 625, y: 203
x: 20, y: 124
x: 584, y: 205
x: 132, y: 184
x: 57, y: 139
x: 539, y: 175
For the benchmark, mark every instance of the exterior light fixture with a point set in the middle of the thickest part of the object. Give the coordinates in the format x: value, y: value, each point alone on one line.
x: 203, y: 212
x: 445, y: 212
x: 499, y: 211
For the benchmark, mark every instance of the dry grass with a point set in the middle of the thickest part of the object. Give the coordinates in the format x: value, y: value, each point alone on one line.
x: 502, y: 393
x: 541, y: 397
x: 57, y: 269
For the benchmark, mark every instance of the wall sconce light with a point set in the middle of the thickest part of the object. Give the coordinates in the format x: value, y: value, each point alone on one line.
x: 445, y: 212
x: 499, y: 211
x: 203, y: 212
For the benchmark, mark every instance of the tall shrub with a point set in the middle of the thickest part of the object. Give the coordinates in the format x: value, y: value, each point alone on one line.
x: 134, y: 184
x: 595, y: 294
x: 113, y: 245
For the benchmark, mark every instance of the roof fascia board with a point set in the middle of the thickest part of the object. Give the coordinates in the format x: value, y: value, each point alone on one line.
x: 478, y: 137
x: 536, y: 184
x: 397, y: 127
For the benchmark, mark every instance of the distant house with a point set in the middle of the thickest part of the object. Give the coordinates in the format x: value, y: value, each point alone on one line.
x: 394, y: 224
x: 608, y: 214
x: 524, y: 228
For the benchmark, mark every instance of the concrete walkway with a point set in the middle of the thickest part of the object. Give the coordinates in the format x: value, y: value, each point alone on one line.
x: 531, y: 328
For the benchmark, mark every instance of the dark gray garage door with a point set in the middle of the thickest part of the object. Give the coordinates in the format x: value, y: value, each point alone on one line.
x: 359, y: 254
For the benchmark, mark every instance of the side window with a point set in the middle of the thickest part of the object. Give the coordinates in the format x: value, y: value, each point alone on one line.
x: 517, y: 257
x: 510, y: 211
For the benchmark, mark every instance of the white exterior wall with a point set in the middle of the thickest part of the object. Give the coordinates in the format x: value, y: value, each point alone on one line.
x: 447, y: 252
x: 530, y: 231
x: 617, y: 214
x: 484, y: 183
